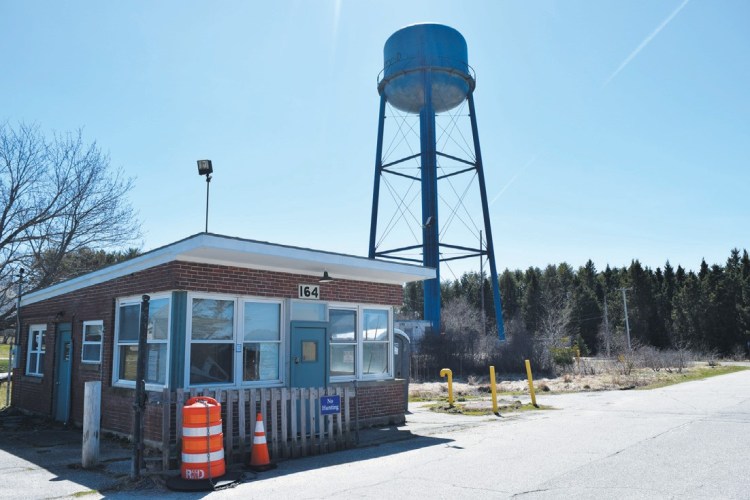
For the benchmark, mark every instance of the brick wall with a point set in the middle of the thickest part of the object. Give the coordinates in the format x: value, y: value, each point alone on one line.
x: 97, y: 302
x: 380, y: 402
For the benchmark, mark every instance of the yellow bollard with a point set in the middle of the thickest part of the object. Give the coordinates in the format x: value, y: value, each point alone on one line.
x: 531, y: 383
x: 447, y: 372
x: 493, y: 386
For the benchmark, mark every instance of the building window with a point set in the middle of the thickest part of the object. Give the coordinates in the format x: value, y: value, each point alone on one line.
x: 343, y: 333
x: 91, y: 350
x: 212, y: 341
x: 234, y: 341
x: 375, y: 342
x: 35, y: 355
x: 261, y: 341
x: 127, y: 326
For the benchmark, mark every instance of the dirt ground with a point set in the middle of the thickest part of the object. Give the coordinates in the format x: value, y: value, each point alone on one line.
x: 588, y: 375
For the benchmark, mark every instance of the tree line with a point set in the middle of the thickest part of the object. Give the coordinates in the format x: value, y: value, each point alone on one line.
x: 558, y: 307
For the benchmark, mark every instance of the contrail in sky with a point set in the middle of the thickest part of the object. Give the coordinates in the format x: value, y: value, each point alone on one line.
x: 528, y: 163
x: 645, y: 42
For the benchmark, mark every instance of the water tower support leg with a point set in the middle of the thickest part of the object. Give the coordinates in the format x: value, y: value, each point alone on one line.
x: 430, y: 241
x: 378, y: 169
x: 487, y: 227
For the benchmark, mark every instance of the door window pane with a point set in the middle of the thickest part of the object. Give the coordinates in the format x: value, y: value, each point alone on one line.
x: 309, y: 351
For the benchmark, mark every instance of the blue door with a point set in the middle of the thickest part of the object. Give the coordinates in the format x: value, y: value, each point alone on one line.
x: 309, y: 362
x: 309, y: 351
x: 63, y: 364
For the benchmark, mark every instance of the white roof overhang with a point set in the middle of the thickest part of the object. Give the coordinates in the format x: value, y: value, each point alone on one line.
x: 206, y: 248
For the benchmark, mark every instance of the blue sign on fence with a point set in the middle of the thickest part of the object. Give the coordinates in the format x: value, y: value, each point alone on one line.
x: 330, y: 405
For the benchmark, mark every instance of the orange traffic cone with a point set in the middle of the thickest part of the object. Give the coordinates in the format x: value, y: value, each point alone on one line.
x: 259, y: 460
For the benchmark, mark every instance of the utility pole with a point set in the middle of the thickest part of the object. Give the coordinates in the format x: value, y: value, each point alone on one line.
x: 627, y: 323
x: 606, y: 324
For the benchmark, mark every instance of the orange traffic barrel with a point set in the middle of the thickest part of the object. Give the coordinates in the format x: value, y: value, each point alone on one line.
x: 202, y: 439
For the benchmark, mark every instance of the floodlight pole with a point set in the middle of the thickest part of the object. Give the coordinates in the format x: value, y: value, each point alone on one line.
x: 208, y: 183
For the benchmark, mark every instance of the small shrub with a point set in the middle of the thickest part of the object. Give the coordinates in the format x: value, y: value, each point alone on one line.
x: 563, y: 356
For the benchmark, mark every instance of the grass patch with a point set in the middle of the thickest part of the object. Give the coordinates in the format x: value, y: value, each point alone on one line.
x: 695, y: 374
x: 476, y: 411
x: 84, y: 493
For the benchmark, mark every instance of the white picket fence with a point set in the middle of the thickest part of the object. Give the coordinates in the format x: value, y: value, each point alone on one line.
x: 292, y: 419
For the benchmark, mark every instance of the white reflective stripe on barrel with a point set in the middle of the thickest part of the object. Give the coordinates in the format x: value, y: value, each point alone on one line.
x: 202, y: 458
x: 201, y: 431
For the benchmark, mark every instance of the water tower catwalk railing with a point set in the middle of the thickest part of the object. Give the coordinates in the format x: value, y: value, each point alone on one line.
x: 432, y: 77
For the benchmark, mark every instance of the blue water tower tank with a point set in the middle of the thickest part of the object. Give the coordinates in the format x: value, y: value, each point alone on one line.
x: 423, y: 53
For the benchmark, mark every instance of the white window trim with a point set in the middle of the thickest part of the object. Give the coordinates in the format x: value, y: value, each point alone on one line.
x: 237, y: 340
x: 359, y: 351
x: 281, y: 342
x: 357, y: 336
x: 123, y: 301
x: 33, y: 331
x: 361, y: 344
x: 84, y: 343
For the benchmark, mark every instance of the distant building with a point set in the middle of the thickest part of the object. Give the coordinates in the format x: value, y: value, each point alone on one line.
x: 415, y: 329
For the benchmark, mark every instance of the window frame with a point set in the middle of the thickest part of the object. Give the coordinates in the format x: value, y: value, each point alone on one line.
x: 348, y: 308
x: 116, y: 343
x: 85, y: 343
x: 388, y: 342
x: 34, y: 330
x: 359, y: 374
x: 238, y: 340
x: 240, y: 336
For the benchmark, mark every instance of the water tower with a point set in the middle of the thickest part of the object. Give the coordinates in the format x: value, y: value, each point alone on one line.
x: 426, y: 75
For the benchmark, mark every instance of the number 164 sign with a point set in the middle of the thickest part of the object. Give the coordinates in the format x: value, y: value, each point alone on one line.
x: 309, y: 292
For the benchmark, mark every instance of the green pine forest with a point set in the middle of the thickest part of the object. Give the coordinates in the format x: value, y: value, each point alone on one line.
x: 558, y: 306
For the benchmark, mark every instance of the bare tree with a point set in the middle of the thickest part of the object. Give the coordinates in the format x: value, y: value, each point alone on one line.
x: 58, y: 196
x: 556, y: 313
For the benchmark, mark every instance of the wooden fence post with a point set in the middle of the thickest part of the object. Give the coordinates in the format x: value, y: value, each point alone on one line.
x: 92, y: 397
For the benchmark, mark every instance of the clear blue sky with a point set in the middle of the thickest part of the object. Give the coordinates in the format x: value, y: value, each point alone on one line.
x: 610, y: 130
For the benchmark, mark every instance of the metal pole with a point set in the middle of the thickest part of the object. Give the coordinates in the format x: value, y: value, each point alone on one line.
x: 15, y: 340
x: 481, y: 286
x: 606, y: 324
x: 627, y: 323
x: 487, y: 227
x: 430, y: 222
x: 139, y: 405
x: 208, y: 183
x: 378, y: 170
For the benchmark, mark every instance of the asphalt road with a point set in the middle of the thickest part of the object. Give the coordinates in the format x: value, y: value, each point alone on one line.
x: 686, y: 441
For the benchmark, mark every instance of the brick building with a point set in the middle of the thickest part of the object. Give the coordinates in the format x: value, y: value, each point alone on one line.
x: 223, y: 312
